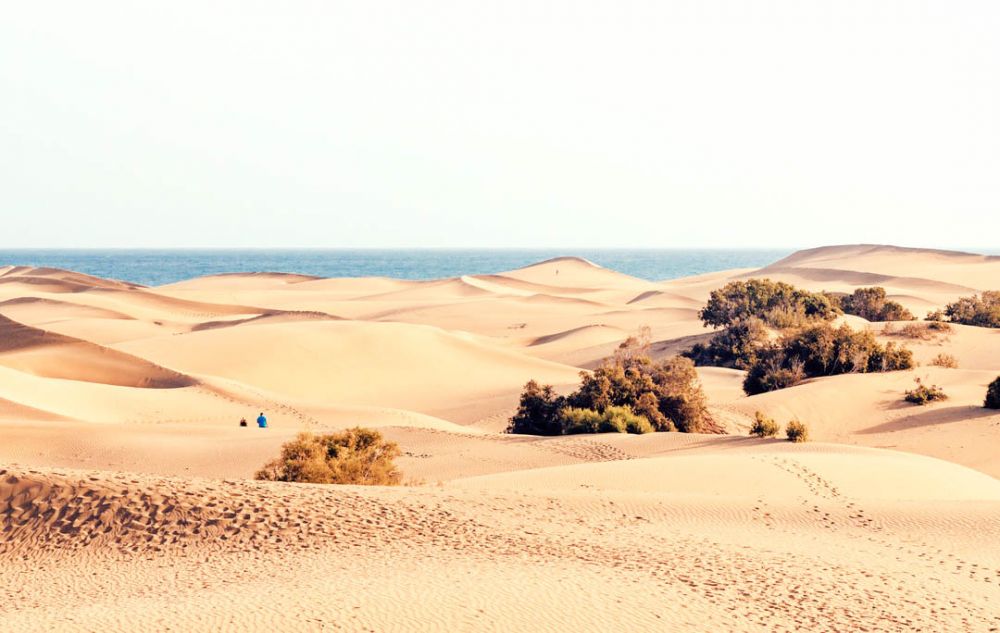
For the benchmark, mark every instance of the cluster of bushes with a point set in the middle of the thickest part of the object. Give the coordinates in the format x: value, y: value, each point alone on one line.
x: 777, y: 304
x: 821, y: 350
x: 627, y: 393
x: 993, y: 395
x: 922, y: 394
x: 355, y: 456
x: 871, y: 304
x: 981, y: 310
x: 810, y: 346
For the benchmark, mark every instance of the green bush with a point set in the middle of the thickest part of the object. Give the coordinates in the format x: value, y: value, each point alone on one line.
x: 822, y: 350
x: 666, y: 395
x: 796, y: 431
x: 764, y: 426
x: 355, y: 456
x: 736, y: 346
x: 777, y: 304
x: 772, y: 372
x: 872, y: 304
x: 574, y: 420
x: 983, y: 311
x: 993, y: 395
x: 611, y: 420
x: 945, y: 360
x: 922, y: 394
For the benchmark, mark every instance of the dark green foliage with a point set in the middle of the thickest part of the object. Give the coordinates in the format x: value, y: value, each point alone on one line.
x: 796, y: 431
x: 538, y: 411
x: 777, y: 304
x: 871, y: 304
x: 764, y: 426
x: 983, y: 311
x: 993, y: 395
x: 735, y: 346
x: 922, y: 394
x: 355, y: 456
x: 628, y: 391
x: 822, y: 350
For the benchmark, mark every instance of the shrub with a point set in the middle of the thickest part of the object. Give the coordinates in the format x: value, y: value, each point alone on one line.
x: 822, y: 350
x: 922, y: 394
x: 797, y: 432
x: 672, y: 385
x: 993, y: 395
x: 537, y: 413
x: 777, y: 304
x: 763, y: 426
x: 945, y: 360
x: 872, y: 304
x: 735, y: 346
x: 666, y: 395
x: 981, y: 310
x: 935, y: 316
x: 920, y: 331
x: 355, y: 456
x: 770, y: 374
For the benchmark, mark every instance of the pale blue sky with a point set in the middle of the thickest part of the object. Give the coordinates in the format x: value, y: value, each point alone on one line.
x: 563, y: 124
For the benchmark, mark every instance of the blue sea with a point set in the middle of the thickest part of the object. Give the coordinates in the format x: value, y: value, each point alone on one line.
x: 155, y: 267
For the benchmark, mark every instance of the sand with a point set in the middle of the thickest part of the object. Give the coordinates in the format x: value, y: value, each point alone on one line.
x: 127, y: 500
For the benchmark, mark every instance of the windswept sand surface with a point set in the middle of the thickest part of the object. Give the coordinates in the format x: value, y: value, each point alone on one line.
x: 126, y: 501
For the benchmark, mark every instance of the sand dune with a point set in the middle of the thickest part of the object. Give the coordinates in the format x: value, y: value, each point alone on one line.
x: 126, y: 499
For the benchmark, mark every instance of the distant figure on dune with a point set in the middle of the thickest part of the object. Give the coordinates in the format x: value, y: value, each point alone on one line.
x: 261, y: 420
x: 243, y: 421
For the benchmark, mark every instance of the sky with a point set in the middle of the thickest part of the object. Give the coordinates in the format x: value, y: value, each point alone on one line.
x: 500, y: 124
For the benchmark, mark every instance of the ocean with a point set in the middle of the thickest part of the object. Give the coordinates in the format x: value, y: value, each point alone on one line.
x: 151, y: 267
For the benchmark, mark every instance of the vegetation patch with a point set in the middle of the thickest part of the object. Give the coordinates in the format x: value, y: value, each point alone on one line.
x: 628, y: 392
x: 979, y: 310
x: 822, y: 350
x: 917, y: 331
x: 764, y: 426
x: 797, y: 431
x: 922, y: 394
x: 355, y: 456
x: 871, y: 304
x: 945, y: 360
x: 993, y: 395
x: 777, y: 304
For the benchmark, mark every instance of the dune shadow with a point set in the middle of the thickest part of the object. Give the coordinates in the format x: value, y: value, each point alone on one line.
x: 930, y: 417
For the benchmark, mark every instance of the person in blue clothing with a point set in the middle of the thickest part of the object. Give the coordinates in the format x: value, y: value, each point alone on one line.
x: 261, y: 420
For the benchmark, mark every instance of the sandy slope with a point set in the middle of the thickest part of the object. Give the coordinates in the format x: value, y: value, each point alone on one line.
x: 139, y: 389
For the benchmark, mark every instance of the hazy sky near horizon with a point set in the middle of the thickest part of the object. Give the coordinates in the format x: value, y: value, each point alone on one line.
x: 534, y: 124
